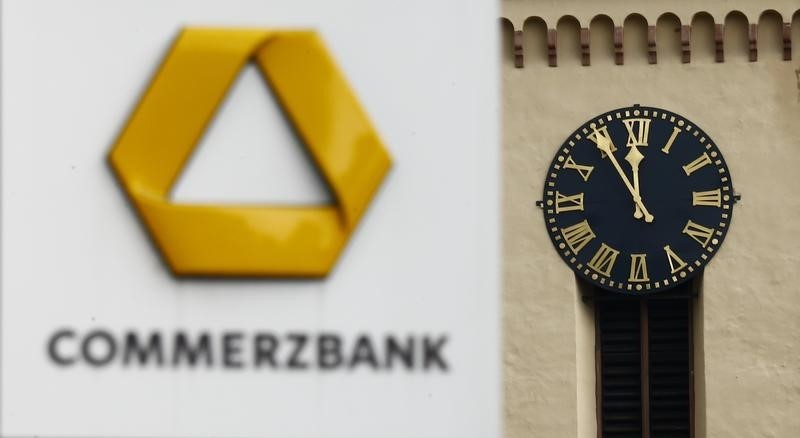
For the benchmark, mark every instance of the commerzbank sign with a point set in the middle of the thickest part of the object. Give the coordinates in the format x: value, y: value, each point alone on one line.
x: 251, y: 241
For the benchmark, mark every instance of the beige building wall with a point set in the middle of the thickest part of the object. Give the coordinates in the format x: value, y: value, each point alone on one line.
x: 748, y: 316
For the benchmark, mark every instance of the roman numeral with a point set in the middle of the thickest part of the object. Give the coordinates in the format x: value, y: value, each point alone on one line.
x: 701, y: 161
x: 675, y: 262
x: 638, y: 268
x: 603, y: 260
x: 698, y: 232
x: 675, y: 132
x: 638, y: 131
x: 566, y: 203
x: 578, y: 235
x: 710, y: 198
x: 584, y: 170
x: 603, y: 132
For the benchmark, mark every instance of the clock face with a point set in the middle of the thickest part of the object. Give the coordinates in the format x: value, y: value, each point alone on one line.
x: 638, y: 200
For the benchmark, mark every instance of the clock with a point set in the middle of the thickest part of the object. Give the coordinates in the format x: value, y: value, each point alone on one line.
x: 638, y: 200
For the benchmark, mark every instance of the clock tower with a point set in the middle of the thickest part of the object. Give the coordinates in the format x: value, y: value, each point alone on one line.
x: 635, y: 304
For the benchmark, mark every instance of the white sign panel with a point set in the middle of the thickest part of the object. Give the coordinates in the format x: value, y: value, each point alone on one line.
x: 98, y: 338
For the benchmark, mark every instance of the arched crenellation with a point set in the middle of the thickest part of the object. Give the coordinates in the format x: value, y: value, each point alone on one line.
x: 570, y: 41
x: 770, y: 35
x: 736, y: 36
x: 601, y: 40
x: 795, y: 35
x: 703, y: 40
x: 508, y: 47
x: 534, y: 40
x: 668, y: 38
x: 635, y: 39
x: 787, y: 40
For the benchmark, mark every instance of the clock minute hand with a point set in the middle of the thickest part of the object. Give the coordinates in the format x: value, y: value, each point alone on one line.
x: 604, y: 145
x: 634, y: 158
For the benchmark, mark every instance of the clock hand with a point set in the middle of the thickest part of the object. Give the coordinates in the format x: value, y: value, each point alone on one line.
x: 604, y: 144
x: 635, y: 157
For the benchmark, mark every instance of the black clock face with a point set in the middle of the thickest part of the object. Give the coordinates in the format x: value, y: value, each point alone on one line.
x: 649, y: 215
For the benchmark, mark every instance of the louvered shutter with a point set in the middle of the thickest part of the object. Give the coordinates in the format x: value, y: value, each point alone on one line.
x: 644, y: 365
x: 620, y: 368
x: 670, y: 368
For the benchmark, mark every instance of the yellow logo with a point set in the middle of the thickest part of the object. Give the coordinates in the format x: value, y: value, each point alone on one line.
x: 258, y: 240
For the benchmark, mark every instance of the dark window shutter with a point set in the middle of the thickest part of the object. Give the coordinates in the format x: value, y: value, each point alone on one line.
x: 620, y: 357
x: 670, y: 368
x: 644, y: 365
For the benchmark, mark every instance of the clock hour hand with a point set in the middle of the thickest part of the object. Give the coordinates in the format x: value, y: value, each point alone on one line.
x: 635, y: 157
x: 604, y: 144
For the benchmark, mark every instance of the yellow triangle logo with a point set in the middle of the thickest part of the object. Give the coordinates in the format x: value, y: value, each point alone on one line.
x: 224, y: 240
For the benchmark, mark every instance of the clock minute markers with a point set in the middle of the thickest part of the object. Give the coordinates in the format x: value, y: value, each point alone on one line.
x: 604, y: 144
